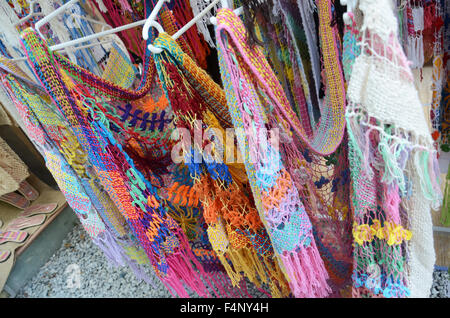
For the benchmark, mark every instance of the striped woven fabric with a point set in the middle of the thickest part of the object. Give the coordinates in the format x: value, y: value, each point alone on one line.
x: 46, y: 128
x: 13, y: 236
x: 161, y: 238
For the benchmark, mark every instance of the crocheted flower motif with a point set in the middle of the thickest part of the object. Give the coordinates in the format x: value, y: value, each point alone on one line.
x: 394, y: 234
x: 362, y: 233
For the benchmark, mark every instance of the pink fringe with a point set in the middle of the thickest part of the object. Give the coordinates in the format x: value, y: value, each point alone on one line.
x: 307, y: 273
x: 391, y: 203
x: 180, y: 269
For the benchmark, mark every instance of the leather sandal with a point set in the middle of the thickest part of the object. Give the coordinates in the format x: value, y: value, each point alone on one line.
x: 28, y: 191
x: 16, y: 200
x: 39, y: 209
x: 22, y: 223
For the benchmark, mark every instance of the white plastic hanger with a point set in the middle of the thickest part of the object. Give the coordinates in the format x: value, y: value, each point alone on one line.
x: 88, y: 38
x: 351, y: 5
x: 32, y: 13
x: 76, y: 17
x: 73, y: 49
x: 237, y: 11
x: 151, y: 22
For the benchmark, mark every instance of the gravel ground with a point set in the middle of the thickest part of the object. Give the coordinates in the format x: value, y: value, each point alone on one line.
x: 79, y: 269
x: 441, y: 284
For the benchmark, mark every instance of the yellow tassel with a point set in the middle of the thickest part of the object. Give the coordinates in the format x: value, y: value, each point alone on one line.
x: 258, y: 265
x: 235, y: 277
x: 277, y: 276
x: 244, y: 263
x: 274, y: 290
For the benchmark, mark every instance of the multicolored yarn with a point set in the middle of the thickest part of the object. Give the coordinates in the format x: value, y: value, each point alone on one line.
x: 393, y: 167
x: 234, y: 229
x: 298, y: 66
x: 46, y: 128
x: 244, y: 73
x: 350, y: 48
x: 161, y: 238
x: 438, y: 75
x: 445, y: 95
x: 302, y: 208
x: 119, y: 69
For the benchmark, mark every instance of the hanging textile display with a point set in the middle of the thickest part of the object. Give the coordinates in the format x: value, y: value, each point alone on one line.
x: 445, y: 94
x: 234, y: 229
x: 47, y: 128
x: 170, y: 256
x: 288, y: 224
x: 242, y: 63
x: 307, y: 169
x: 165, y: 244
x: 322, y: 180
x: 394, y: 168
x: 415, y: 26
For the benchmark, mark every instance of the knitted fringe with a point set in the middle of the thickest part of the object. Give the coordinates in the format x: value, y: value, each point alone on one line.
x: 394, y: 149
x: 258, y: 271
x: 222, y: 288
x: 184, y: 267
x: 227, y: 283
x: 279, y: 287
x: 181, y: 270
x: 116, y: 254
x: 246, y: 261
x: 414, y: 51
x: 242, y: 260
x: 307, y: 273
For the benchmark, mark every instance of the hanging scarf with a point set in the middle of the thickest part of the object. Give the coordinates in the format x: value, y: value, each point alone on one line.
x: 137, y: 199
x: 304, y: 67
x: 52, y: 136
x: 245, y: 74
x: 415, y: 27
x: 438, y: 75
x: 129, y: 123
x: 394, y: 170
x: 234, y: 229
